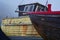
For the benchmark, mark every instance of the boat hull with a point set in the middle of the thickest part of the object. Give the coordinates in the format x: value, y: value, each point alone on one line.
x: 47, y: 27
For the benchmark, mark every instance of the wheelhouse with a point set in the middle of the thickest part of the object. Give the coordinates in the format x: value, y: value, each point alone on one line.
x: 34, y: 7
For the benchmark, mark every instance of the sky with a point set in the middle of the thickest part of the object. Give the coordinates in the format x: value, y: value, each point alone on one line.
x: 8, y: 7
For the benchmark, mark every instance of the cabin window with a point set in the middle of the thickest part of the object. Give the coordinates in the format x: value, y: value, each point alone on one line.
x: 21, y: 8
x: 41, y: 9
x: 29, y: 8
x: 45, y: 9
x: 36, y: 8
x: 26, y: 8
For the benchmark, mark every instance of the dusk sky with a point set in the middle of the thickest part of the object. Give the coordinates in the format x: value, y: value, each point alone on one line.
x: 8, y: 7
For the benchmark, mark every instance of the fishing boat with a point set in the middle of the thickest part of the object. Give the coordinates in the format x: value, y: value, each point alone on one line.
x: 34, y: 22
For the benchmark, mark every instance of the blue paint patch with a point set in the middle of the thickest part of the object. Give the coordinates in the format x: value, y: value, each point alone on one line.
x: 25, y: 38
